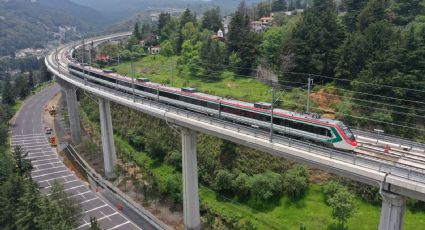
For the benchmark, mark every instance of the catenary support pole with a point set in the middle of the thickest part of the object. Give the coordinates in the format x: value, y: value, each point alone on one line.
x: 310, y: 82
x: 108, y: 145
x: 271, y: 113
x: 392, y: 211
x: 192, y: 220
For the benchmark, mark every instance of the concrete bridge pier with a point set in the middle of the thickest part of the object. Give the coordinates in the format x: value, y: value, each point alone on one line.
x: 392, y: 211
x: 108, y: 144
x: 70, y: 92
x: 192, y: 220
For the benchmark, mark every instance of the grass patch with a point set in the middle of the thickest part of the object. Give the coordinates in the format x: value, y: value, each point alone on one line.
x: 160, y: 69
x: 310, y: 211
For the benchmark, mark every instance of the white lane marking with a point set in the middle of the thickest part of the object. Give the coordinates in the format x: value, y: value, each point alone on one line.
x: 79, y: 186
x: 78, y: 194
x: 49, y: 173
x: 35, y: 144
x: 30, y: 158
x: 23, y: 136
x: 101, y: 218
x: 117, y: 226
x: 60, y: 166
x: 56, y: 178
x: 55, y: 162
x: 104, y: 215
x: 85, y: 201
x: 93, y: 209
x: 54, y: 158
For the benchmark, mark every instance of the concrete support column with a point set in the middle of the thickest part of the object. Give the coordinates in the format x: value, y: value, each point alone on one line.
x: 192, y: 220
x: 108, y: 145
x: 74, y: 116
x: 392, y: 211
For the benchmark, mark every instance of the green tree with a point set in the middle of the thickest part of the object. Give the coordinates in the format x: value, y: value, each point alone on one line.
x: 94, y: 225
x: 29, y: 207
x: 223, y: 181
x: 23, y: 165
x: 189, y: 32
x: 164, y: 19
x: 167, y: 49
x: 316, y: 40
x: 278, y: 5
x: 353, y: 9
x: 374, y: 11
x: 295, y: 182
x: 263, y: 9
x: 147, y: 35
x: 186, y: 17
x: 212, y: 20
x: 189, y: 62
x: 407, y: 10
x: 271, y: 46
x: 242, y: 185
x: 60, y: 211
x: 10, y: 193
x: 7, y: 93
x: 342, y: 204
x: 266, y: 185
x: 212, y: 55
x: 243, y: 42
x: 31, y: 83
x: 136, y: 31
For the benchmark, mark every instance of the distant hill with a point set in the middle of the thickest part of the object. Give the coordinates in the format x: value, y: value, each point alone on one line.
x: 34, y: 23
x: 121, y: 9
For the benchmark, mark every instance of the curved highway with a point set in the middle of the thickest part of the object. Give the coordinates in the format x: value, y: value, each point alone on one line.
x: 404, y: 178
x: 48, y: 167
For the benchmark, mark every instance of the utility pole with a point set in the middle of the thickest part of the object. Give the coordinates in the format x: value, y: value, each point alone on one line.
x: 271, y: 113
x: 310, y: 82
x: 90, y: 57
x: 172, y: 74
x: 132, y: 79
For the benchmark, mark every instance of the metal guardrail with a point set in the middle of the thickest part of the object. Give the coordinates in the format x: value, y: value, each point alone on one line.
x: 393, y: 168
x: 93, y: 175
x: 404, y: 171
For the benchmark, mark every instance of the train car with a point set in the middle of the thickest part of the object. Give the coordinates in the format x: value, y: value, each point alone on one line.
x: 327, y: 132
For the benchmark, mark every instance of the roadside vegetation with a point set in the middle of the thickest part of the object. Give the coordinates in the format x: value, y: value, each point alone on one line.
x: 240, y: 188
x: 22, y: 206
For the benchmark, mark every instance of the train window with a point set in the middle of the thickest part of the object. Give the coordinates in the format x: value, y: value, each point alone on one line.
x: 346, y: 131
x: 169, y: 95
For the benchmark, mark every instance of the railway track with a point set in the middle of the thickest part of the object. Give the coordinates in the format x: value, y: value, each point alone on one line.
x: 404, y: 157
x: 407, y: 154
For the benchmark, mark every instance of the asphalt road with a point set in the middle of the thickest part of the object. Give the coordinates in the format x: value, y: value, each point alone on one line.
x: 48, y: 167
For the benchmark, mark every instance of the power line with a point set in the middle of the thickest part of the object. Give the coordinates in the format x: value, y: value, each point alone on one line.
x: 375, y: 95
x: 318, y: 75
x: 370, y: 119
x: 363, y: 100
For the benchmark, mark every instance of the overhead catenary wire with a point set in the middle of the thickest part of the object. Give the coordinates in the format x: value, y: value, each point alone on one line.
x: 318, y: 75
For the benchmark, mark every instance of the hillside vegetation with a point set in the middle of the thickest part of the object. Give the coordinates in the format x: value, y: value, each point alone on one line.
x: 25, y: 24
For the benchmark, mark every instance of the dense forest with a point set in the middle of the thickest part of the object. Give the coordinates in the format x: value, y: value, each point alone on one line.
x: 24, y: 23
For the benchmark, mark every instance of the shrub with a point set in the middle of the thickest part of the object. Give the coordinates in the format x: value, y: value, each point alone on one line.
x: 266, y: 185
x: 295, y: 182
x: 342, y: 204
x: 330, y: 189
x: 223, y: 181
x: 242, y: 185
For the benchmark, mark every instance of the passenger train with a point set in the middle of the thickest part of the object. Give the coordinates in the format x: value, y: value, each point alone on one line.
x: 326, y: 132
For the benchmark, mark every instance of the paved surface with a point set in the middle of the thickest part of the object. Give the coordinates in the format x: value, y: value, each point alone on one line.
x: 48, y: 167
